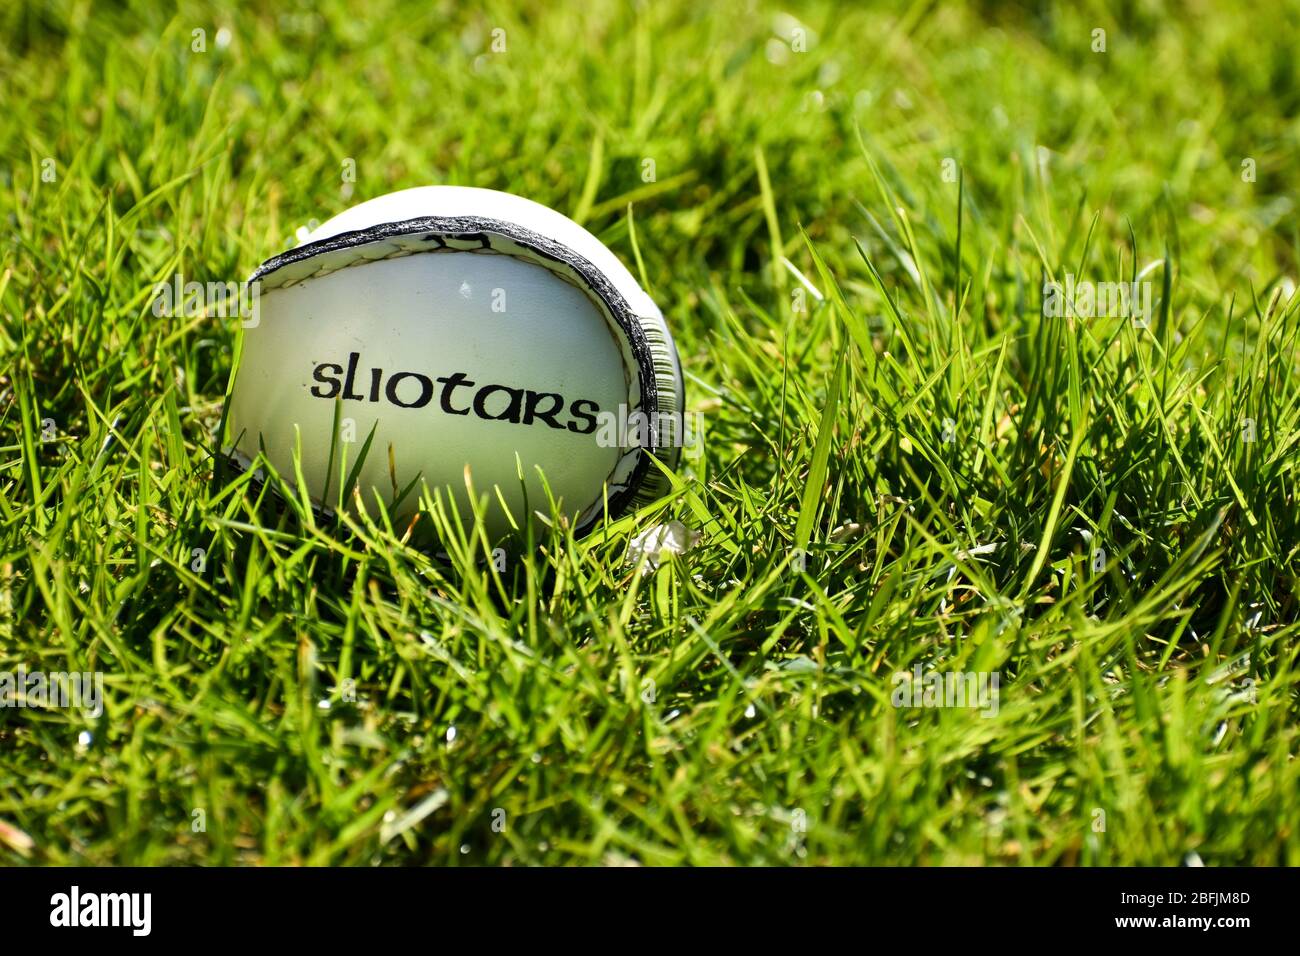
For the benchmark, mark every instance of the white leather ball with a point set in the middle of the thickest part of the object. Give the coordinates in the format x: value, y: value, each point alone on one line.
x: 472, y: 332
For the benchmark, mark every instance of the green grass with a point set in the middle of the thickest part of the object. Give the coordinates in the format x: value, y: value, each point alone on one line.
x: 940, y: 457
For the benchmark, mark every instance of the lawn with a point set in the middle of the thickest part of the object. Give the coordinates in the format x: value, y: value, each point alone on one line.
x: 898, y: 248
